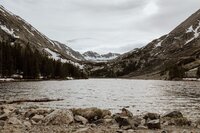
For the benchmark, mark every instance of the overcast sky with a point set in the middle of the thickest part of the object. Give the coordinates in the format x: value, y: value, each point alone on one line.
x: 103, y: 25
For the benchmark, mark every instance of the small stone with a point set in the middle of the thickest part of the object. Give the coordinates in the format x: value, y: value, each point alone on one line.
x: 14, y: 121
x: 4, y: 117
x: 142, y: 127
x: 164, y: 131
x: 33, y: 122
x: 27, y: 124
x: 185, y: 131
x: 7, y: 111
x: 154, y: 124
x: 91, y: 114
x: 151, y: 116
x: 93, y: 125
x: 37, y: 118
x: 81, y: 119
x: 108, y: 120
x: 2, y: 123
x: 108, y: 117
x: 83, y: 130
x: 105, y: 113
x: 126, y: 112
x: 119, y: 131
x: 59, y: 117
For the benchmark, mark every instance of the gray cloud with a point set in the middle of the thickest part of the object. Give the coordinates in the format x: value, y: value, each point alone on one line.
x: 103, y: 26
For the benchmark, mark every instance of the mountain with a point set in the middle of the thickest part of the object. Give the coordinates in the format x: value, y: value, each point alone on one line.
x: 95, y: 57
x: 16, y: 30
x: 22, y: 36
x: 174, y: 55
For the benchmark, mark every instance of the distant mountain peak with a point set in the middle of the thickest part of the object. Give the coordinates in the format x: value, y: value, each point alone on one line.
x: 96, y: 57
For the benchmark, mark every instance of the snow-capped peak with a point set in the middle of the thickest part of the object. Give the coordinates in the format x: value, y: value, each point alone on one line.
x: 96, y: 57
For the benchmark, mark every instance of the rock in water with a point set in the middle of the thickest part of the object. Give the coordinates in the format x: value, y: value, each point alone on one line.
x: 154, y: 124
x: 59, y: 117
x: 151, y: 116
x: 127, y: 113
x: 174, y: 114
x: 106, y: 113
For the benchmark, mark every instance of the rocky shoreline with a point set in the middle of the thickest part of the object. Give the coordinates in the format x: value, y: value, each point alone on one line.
x: 15, y: 119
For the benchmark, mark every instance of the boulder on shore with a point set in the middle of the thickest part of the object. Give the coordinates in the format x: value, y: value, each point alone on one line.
x: 59, y: 117
x: 91, y: 114
x: 174, y: 114
x: 154, y: 124
x: 80, y: 119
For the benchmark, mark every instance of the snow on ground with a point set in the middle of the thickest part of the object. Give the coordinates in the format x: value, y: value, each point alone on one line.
x: 28, y: 31
x: 6, y: 79
x: 11, y: 32
x: 196, y: 33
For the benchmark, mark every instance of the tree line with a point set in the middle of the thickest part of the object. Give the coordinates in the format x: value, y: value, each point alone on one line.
x: 15, y: 59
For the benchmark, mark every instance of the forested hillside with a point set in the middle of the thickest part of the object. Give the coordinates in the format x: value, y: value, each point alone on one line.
x: 24, y: 61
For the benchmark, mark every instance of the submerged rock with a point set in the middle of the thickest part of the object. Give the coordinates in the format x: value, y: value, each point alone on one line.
x: 59, y: 117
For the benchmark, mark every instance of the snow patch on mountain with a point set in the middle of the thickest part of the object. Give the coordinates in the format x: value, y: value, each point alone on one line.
x: 54, y: 55
x: 94, y: 56
x: 11, y: 32
x: 159, y: 43
x: 57, y: 57
x: 195, y: 31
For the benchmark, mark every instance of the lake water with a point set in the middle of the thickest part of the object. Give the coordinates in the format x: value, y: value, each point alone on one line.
x: 139, y: 96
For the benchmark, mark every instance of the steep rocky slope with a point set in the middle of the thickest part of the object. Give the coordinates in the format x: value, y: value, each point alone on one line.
x: 27, y: 53
x: 175, y: 55
x: 16, y: 30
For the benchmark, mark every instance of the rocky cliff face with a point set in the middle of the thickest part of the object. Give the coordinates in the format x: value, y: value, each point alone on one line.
x: 170, y: 56
x: 14, y: 29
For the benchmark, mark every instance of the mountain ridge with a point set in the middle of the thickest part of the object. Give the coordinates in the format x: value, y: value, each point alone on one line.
x: 174, y: 55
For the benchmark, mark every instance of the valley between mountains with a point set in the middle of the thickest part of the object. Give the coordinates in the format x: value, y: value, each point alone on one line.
x: 175, y: 55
